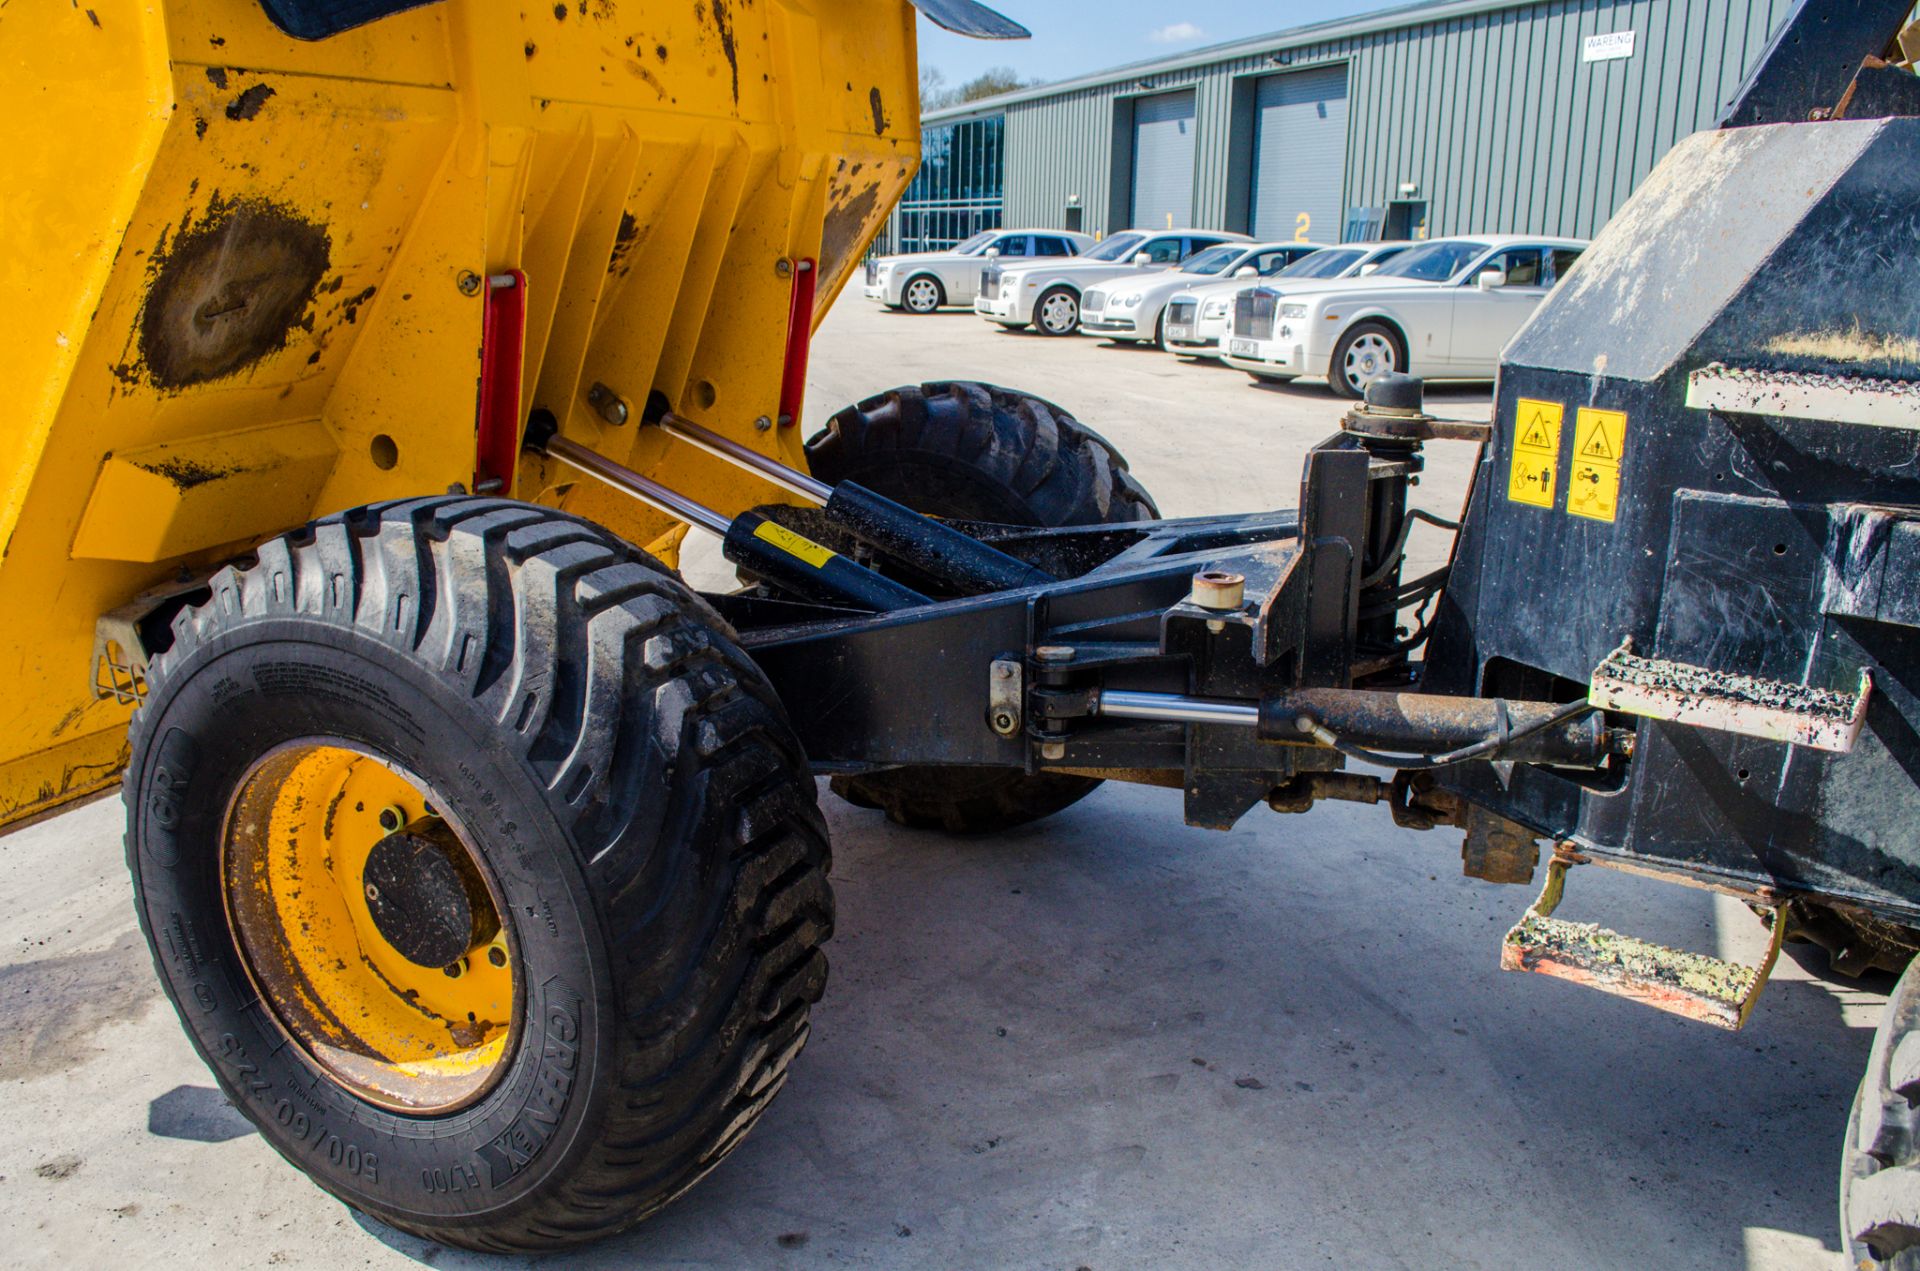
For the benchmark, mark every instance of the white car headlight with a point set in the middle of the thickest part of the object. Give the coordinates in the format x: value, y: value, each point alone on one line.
x: 1128, y: 302
x: 1293, y: 311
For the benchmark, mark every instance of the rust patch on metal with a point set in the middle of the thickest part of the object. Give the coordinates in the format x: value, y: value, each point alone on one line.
x: 185, y: 474
x: 638, y: 69
x: 217, y: 76
x: 626, y: 238
x: 879, y: 111
x: 229, y: 290
x: 349, y: 308
x: 846, y: 222
x: 248, y: 104
x: 723, y: 26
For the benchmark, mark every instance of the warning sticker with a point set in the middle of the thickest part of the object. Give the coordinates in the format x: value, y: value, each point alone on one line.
x: 1599, y: 446
x: 1536, y: 452
x: 793, y: 544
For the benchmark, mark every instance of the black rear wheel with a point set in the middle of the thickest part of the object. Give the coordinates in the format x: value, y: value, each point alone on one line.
x: 1880, y: 1163
x: 481, y: 866
x: 975, y: 452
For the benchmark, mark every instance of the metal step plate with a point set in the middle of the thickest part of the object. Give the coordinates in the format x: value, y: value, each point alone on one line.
x: 1683, y: 694
x: 1711, y: 990
x: 1838, y: 399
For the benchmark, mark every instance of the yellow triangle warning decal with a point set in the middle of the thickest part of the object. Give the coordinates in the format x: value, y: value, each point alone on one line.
x: 1536, y: 436
x: 1597, y: 447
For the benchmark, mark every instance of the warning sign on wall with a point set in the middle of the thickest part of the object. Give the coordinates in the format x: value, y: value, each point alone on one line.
x: 1593, y: 480
x: 1536, y: 452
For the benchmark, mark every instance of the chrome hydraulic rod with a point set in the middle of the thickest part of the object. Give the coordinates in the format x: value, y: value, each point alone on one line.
x: 790, y: 479
x: 645, y: 489
x: 1177, y: 708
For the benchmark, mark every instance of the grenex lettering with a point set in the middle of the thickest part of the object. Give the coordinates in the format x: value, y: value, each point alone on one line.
x: 521, y: 1141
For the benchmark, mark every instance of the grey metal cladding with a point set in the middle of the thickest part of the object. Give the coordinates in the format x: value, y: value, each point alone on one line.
x: 1488, y: 110
x: 1300, y: 155
x: 1163, y: 148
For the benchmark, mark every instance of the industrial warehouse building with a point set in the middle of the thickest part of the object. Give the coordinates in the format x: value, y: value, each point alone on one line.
x: 1473, y: 116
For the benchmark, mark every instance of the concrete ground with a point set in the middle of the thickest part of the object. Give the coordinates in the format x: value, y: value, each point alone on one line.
x: 1105, y: 1041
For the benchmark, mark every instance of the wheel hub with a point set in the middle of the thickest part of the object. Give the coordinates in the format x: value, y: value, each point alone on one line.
x: 424, y: 897
x: 371, y: 930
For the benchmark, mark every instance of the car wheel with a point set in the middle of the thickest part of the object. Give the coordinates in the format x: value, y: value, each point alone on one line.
x: 1363, y: 355
x: 1160, y: 332
x: 923, y: 294
x: 1058, y: 312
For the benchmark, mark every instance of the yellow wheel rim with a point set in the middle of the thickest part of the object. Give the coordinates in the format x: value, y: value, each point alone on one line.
x: 307, y: 913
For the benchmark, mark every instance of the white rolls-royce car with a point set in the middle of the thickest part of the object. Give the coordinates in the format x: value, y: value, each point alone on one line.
x: 1197, y: 316
x: 1442, y: 310
x: 921, y: 282
x: 1046, y: 294
x: 1129, y: 310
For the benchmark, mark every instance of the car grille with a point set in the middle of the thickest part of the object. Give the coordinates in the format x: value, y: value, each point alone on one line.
x: 989, y: 285
x: 1095, y: 300
x: 873, y: 272
x: 1181, y: 312
x: 1253, y: 314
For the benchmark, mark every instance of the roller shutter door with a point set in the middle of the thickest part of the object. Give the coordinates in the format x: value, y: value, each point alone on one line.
x: 1300, y: 155
x: 1163, y: 161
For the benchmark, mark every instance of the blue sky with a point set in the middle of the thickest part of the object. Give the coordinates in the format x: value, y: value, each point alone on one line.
x: 1073, y: 37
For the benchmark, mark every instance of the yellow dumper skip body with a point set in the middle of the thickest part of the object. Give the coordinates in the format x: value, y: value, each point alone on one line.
x: 243, y: 283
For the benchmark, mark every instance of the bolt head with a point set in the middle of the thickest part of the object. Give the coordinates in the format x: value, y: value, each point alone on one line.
x: 762, y: 424
x: 783, y: 267
x: 469, y: 283
x: 454, y: 970
x: 497, y: 956
x: 392, y: 819
x: 1053, y: 750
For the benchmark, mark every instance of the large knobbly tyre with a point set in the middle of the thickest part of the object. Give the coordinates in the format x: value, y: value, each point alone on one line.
x: 980, y: 453
x: 481, y: 866
x: 1880, y: 1163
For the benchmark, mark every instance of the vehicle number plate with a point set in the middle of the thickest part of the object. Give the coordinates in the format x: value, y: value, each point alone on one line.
x: 1243, y: 348
x: 1180, y: 332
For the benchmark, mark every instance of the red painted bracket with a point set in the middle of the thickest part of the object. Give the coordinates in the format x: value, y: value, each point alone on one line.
x: 502, y: 350
x: 793, y: 372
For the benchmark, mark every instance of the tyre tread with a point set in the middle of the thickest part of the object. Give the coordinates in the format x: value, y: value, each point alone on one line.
x: 712, y: 999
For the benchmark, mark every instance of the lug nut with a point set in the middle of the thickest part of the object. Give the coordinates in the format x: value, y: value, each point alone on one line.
x: 454, y: 970
x: 392, y: 818
x: 497, y: 955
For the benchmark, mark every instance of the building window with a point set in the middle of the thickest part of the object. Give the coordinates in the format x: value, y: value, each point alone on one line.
x: 957, y: 192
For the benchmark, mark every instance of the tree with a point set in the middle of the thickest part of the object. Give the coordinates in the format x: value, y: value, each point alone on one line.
x: 933, y: 88
x: 934, y: 93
